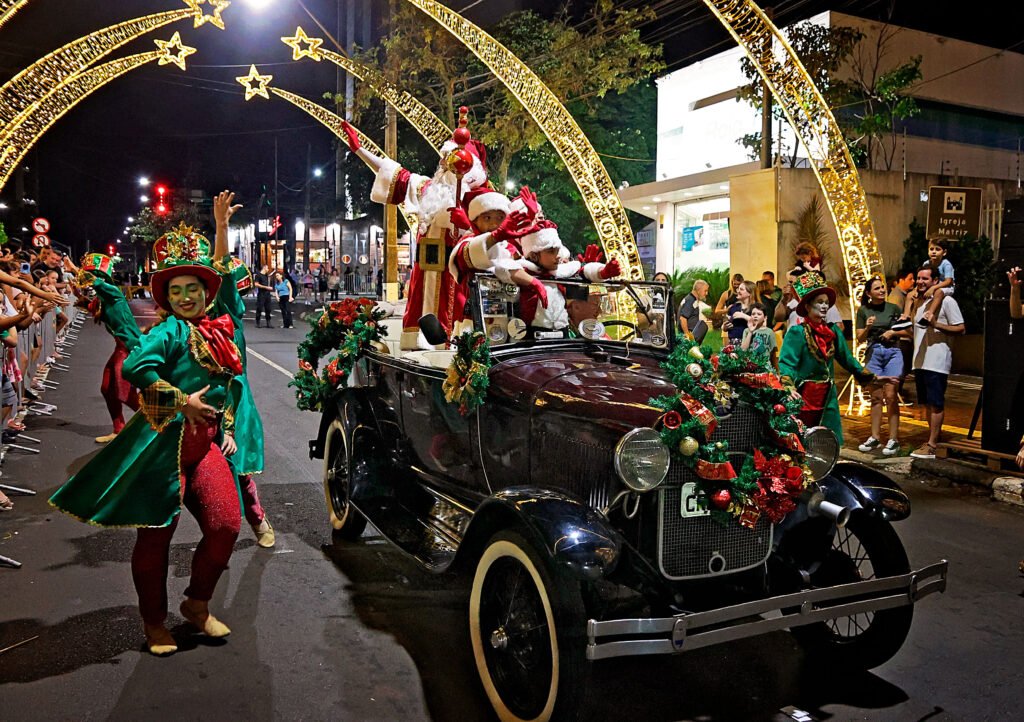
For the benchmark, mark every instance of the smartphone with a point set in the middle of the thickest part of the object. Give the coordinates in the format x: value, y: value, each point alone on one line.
x: 26, y: 267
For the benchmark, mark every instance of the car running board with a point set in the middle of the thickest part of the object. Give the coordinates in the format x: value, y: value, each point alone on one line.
x: 683, y: 632
x: 432, y: 538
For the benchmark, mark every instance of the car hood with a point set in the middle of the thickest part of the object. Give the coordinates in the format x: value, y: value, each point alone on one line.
x: 614, y: 394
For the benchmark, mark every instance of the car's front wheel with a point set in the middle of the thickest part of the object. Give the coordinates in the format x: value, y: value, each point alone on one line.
x: 866, y: 548
x: 527, y: 626
x: 347, y: 523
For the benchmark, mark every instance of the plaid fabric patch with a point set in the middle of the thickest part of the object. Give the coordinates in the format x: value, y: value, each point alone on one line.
x: 161, y: 402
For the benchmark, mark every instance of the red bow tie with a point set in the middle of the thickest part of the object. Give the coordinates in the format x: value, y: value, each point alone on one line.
x: 219, y: 334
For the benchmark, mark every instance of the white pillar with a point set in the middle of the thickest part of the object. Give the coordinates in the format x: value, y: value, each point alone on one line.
x: 664, y: 258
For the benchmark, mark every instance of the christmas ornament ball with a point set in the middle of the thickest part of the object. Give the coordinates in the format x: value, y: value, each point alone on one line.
x: 688, y: 446
x: 721, y: 499
x: 695, y: 370
x: 460, y: 161
x: 779, y: 409
x: 461, y: 136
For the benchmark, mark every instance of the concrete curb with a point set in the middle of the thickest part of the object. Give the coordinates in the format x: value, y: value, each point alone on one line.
x: 961, y: 472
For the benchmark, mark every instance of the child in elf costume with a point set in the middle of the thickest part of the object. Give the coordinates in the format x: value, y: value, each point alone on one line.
x: 107, y: 304
x: 545, y: 261
x: 810, y: 351
x: 175, y: 451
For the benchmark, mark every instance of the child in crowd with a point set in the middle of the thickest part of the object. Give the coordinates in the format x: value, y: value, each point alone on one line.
x: 808, y: 258
x: 943, y: 270
x: 757, y: 336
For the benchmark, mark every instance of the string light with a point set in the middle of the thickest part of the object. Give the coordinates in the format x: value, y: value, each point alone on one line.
x: 8, y: 8
x: 261, y: 82
x: 814, y: 124
x: 426, y: 123
x: 71, y: 92
x: 572, y: 145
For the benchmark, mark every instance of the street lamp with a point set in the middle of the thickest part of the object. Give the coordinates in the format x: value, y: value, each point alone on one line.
x: 510, y: 185
x: 143, y: 181
x: 258, y: 5
x: 3, y: 206
x: 317, y: 172
x: 131, y: 220
x: 143, y: 199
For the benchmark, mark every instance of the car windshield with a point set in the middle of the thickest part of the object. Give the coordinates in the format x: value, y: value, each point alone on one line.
x: 617, y: 311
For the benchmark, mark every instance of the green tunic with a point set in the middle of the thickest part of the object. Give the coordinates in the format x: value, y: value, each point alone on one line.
x: 135, y: 480
x: 800, y: 360
x: 248, y: 424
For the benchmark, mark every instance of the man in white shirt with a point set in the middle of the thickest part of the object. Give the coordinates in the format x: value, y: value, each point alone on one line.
x: 933, y: 355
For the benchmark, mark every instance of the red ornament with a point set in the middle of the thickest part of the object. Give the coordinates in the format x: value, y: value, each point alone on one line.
x: 779, y: 409
x: 461, y: 136
x: 721, y: 499
x: 672, y: 420
x: 460, y: 161
x: 729, y: 349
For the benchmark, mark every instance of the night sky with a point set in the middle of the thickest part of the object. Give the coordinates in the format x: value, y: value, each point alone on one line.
x: 174, y: 126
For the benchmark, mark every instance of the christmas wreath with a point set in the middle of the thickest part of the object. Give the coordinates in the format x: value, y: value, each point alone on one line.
x: 348, y: 327
x: 770, y: 480
x: 468, y: 379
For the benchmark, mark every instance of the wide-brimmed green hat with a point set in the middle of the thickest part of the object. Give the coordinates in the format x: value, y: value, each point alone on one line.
x: 810, y: 285
x: 182, y: 252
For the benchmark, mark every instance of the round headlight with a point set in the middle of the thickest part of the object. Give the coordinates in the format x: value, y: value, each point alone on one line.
x: 641, y: 459
x: 822, y: 449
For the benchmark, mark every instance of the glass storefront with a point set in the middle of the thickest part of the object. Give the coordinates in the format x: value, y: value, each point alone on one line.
x: 702, y: 234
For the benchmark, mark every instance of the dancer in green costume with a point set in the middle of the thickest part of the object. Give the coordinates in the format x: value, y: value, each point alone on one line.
x: 810, y: 351
x: 174, y: 452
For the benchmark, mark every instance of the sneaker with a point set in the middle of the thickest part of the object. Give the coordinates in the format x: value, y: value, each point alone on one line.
x: 925, y: 451
x: 892, y: 447
x: 870, y: 445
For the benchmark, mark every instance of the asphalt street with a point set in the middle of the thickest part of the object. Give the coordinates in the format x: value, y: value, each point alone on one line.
x: 358, y: 631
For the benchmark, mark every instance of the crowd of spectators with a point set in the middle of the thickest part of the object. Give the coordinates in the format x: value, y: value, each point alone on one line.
x: 33, y: 319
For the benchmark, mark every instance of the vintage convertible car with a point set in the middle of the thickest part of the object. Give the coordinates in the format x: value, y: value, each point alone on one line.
x: 583, y: 540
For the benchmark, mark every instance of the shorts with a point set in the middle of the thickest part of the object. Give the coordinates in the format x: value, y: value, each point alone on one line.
x: 8, y: 396
x: 931, y: 388
x: 885, y: 361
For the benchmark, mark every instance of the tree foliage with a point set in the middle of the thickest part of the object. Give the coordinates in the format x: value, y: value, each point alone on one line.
x: 867, y: 94
x: 591, y: 65
x: 149, y: 226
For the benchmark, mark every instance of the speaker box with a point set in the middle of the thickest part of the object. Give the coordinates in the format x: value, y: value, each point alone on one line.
x: 1003, y: 403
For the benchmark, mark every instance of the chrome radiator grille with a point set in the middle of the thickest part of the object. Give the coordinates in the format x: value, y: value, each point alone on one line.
x: 697, y: 546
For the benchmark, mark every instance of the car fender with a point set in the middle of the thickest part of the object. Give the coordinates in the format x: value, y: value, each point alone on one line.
x: 861, y: 488
x: 352, y: 413
x: 572, y: 534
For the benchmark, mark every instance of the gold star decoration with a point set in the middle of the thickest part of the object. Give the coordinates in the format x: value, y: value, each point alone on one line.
x: 201, y: 18
x: 181, y: 51
x: 298, y: 40
x: 261, y: 83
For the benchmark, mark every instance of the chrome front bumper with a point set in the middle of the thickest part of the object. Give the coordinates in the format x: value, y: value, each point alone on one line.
x: 683, y: 632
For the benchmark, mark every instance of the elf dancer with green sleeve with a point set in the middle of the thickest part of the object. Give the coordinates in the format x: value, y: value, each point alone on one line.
x: 248, y: 460
x: 175, y: 451
x: 107, y: 304
x: 810, y: 350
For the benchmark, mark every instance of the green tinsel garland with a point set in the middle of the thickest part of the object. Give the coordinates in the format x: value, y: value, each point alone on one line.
x: 348, y: 326
x: 468, y: 374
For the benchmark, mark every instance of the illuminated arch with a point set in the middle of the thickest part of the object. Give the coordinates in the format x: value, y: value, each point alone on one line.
x: 71, y: 92
x: 800, y: 100
x: 31, y: 85
x: 8, y: 8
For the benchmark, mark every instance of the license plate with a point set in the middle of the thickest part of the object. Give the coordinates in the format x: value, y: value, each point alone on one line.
x: 693, y: 501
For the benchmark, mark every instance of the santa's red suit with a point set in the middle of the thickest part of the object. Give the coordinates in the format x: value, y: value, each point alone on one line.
x: 478, y: 251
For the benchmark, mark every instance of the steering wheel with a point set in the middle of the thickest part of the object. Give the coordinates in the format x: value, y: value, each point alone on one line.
x: 628, y: 324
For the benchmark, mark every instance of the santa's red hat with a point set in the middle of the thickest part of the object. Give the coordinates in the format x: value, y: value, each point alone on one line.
x: 543, y: 237
x: 483, y: 199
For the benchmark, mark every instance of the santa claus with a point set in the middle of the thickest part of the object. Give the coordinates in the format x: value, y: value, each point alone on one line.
x: 432, y: 289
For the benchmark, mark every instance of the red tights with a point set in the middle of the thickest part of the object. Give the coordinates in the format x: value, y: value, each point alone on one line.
x: 210, y: 495
x: 117, y: 392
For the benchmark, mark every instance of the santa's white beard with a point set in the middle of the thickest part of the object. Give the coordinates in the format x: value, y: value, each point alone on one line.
x: 439, y: 196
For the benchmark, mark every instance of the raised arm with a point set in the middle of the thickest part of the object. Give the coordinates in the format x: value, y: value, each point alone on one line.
x: 222, y: 212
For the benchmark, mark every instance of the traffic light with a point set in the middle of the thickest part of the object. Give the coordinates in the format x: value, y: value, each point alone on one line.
x: 111, y: 249
x: 162, y: 206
